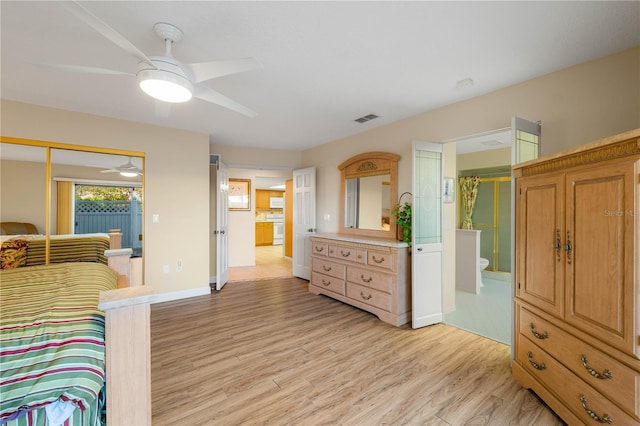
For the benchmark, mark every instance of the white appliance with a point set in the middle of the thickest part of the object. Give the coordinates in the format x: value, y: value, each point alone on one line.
x: 276, y: 202
x: 278, y: 227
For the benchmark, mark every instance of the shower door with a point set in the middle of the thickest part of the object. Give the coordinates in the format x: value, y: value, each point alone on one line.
x: 426, y: 252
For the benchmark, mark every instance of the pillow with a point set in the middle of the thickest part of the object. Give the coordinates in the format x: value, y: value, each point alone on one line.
x: 13, y: 253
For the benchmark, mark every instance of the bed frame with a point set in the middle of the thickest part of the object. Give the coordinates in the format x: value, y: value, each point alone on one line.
x: 127, y: 341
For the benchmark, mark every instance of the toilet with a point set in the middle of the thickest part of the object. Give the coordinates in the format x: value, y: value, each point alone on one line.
x: 483, y: 263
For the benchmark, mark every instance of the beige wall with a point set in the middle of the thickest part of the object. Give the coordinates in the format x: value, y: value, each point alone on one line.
x: 23, y: 192
x: 576, y: 105
x: 176, y: 183
x: 484, y: 159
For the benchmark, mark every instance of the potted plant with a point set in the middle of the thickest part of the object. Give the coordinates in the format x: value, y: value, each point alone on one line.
x: 402, y: 213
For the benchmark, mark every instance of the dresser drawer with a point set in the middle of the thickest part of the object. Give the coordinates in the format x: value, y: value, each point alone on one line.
x: 380, y: 259
x: 319, y: 249
x: 610, y: 377
x: 583, y: 400
x: 348, y: 253
x: 373, y: 279
x: 369, y: 296
x: 327, y: 267
x: 326, y: 282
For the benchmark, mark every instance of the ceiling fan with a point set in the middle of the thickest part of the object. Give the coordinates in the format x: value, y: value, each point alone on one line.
x: 164, y: 77
x: 127, y: 170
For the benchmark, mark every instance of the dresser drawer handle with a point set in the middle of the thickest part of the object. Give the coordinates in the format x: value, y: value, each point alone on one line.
x: 605, y: 417
x: 365, y: 297
x: 376, y: 260
x: 534, y: 364
x: 326, y: 283
x: 365, y: 279
x: 606, y: 374
x: 326, y: 269
x: 345, y: 255
x: 319, y: 249
x: 540, y: 336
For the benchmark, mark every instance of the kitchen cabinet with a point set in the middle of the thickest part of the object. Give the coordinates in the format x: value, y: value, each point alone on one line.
x: 577, y: 322
x: 263, y: 196
x: 264, y: 233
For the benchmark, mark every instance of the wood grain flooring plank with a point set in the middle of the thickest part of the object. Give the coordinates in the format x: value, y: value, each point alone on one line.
x: 269, y: 352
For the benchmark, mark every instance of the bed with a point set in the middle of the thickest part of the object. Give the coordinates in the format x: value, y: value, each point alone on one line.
x: 29, y: 250
x: 52, y: 343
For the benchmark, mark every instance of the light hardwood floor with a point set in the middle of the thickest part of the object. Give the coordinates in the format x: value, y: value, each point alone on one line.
x: 269, y: 352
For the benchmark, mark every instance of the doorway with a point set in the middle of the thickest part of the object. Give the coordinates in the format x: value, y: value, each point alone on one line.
x: 489, y: 313
x: 270, y: 263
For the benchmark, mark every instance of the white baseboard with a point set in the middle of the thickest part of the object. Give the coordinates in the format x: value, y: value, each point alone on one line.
x: 183, y: 294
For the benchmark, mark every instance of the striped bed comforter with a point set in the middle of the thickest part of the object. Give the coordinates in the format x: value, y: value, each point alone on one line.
x: 52, y: 341
x: 69, y: 248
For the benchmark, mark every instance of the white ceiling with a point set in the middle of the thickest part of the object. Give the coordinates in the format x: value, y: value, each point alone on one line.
x: 325, y: 63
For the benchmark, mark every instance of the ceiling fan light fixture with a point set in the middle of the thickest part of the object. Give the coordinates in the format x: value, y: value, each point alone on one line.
x: 165, y: 86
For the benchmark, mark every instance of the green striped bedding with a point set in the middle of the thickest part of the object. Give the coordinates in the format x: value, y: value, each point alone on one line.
x: 69, y: 248
x: 52, y: 341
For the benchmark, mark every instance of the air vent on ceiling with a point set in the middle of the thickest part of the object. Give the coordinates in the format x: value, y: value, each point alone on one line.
x: 366, y: 118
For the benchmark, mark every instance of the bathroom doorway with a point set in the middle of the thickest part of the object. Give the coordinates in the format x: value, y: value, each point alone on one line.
x: 492, y: 216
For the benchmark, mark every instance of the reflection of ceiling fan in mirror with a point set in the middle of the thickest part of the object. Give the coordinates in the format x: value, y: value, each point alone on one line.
x: 127, y: 170
x: 163, y: 77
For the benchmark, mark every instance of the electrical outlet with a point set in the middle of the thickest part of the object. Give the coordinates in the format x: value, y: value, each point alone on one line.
x: 179, y: 266
x: 166, y: 269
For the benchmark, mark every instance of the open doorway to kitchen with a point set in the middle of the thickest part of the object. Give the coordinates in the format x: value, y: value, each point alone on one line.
x: 270, y: 214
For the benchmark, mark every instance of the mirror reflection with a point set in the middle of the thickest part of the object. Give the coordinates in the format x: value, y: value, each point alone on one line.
x: 23, y: 172
x: 95, y: 193
x: 88, y: 193
x: 367, y: 203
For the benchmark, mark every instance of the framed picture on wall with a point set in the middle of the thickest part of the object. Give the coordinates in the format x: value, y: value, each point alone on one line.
x: 239, y: 194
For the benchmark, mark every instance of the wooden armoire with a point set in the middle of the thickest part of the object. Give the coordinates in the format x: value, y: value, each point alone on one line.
x: 577, y: 295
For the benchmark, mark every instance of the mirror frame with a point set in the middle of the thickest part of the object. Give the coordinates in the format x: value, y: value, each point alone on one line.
x: 370, y: 164
x: 48, y: 179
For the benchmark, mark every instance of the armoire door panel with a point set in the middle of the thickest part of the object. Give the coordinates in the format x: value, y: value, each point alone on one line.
x: 599, y: 272
x: 539, y: 256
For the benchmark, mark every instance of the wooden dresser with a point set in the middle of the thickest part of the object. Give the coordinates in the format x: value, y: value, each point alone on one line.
x: 372, y: 274
x: 577, y: 304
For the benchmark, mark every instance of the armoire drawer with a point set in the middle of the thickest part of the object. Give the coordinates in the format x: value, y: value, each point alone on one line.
x: 348, y: 253
x: 585, y: 402
x: 369, y: 296
x: 328, y: 267
x: 610, y: 377
x: 326, y: 282
x: 373, y: 279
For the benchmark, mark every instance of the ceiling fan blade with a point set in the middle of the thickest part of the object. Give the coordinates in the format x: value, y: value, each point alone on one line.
x: 207, y: 70
x: 104, y: 29
x: 83, y: 69
x: 207, y: 94
x: 109, y: 171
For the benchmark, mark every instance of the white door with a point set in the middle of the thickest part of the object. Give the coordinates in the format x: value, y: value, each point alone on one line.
x: 222, y: 226
x: 304, y: 220
x: 426, y: 250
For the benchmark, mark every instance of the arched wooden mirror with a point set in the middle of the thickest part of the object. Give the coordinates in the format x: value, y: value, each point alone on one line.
x: 368, y: 192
